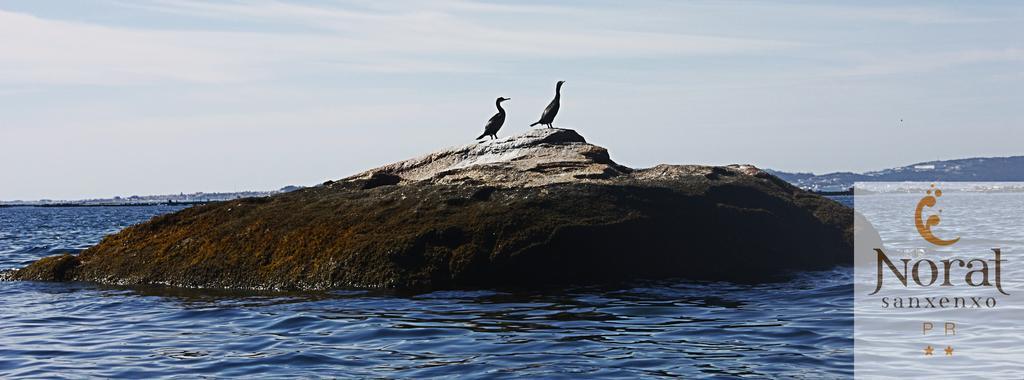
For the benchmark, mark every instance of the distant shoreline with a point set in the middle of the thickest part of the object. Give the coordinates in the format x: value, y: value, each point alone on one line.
x: 151, y: 200
x: 194, y: 203
x: 110, y: 204
x: 833, y: 193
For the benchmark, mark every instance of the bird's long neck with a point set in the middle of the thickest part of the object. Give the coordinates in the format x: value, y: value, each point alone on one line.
x: 498, y: 104
x: 558, y: 91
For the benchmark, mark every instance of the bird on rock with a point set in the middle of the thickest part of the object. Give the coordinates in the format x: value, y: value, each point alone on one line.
x: 548, y: 116
x: 496, y: 121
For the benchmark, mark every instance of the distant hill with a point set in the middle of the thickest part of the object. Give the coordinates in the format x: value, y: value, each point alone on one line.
x: 994, y: 169
x: 181, y: 198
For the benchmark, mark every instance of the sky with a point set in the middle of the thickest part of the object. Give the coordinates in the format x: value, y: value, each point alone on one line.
x: 132, y: 97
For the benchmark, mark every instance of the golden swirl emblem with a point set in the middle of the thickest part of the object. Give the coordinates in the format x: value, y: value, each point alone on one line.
x: 924, y: 227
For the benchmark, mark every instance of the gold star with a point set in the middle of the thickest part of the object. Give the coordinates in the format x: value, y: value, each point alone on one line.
x: 949, y: 350
x: 928, y: 351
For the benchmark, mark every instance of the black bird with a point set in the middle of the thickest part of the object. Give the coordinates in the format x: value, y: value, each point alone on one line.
x: 548, y: 116
x: 493, y: 125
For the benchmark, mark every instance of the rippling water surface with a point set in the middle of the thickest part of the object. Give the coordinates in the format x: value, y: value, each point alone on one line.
x: 802, y: 328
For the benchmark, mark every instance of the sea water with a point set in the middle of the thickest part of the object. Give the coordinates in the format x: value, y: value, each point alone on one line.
x: 802, y: 328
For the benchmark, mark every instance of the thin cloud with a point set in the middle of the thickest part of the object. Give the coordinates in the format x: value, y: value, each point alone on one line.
x: 40, y: 51
x: 46, y: 51
x: 917, y: 63
x: 414, y: 27
x: 908, y: 15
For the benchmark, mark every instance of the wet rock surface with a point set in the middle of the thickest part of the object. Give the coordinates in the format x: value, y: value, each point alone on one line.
x: 542, y: 208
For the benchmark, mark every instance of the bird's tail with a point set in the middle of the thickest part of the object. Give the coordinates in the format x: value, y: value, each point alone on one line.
x: 482, y: 136
x: 534, y: 123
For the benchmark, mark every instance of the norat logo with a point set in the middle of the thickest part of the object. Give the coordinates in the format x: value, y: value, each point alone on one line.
x: 925, y: 227
x: 925, y: 272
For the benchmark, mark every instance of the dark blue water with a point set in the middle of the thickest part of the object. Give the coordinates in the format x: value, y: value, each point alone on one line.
x: 798, y: 329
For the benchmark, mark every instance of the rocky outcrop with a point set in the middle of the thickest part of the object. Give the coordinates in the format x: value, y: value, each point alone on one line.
x: 541, y: 208
x: 536, y: 158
